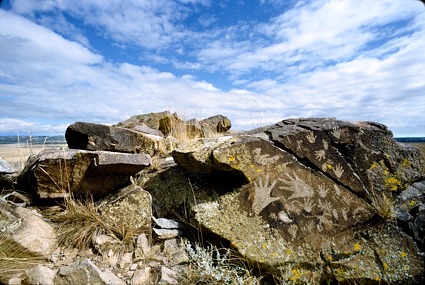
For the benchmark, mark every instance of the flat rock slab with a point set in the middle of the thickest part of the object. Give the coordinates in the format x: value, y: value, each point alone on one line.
x: 89, y: 136
x: 60, y: 173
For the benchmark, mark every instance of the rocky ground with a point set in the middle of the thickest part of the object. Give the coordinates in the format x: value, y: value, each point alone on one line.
x: 159, y: 200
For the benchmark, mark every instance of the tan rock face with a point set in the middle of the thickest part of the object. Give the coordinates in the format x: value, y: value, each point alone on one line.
x: 59, y: 173
x: 308, y: 206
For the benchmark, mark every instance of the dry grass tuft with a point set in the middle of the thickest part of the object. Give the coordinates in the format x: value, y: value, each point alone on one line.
x: 81, y: 222
x: 14, y: 258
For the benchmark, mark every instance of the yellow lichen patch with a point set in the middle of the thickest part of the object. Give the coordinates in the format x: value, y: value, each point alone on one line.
x: 232, y: 158
x: 329, y: 166
x: 412, y: 203
x: 405, y: 163
x: 296, y: 274
x: 403, y: 254
x: 288, y: 251
x: 357, y: 247
x: 377, y: 278
x: 385, y: 266
x: 374, y: 165
x: 392, y: 183
x: 329, y: 258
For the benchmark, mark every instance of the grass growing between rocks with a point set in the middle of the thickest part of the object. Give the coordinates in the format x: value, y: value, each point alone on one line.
x: 81, y: 223
x: 14, y: 258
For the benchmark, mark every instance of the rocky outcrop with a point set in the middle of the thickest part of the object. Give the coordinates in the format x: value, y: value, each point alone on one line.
x: 59, y: 173
x: 306, y: 201
x: 89, y: 136
x: 318, y: 194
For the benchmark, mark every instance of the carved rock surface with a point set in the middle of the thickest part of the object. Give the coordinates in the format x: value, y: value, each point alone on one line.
x: 89, y: 136
x: 59, y: 173
x: 309, y: 202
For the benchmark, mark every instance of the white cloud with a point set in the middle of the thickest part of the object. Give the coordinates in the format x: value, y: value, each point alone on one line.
x: 314, y: 60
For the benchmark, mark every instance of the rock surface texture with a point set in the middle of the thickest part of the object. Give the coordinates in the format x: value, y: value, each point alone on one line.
x: 59, y: 173
x: 303, y: 201
x: 317, y: 199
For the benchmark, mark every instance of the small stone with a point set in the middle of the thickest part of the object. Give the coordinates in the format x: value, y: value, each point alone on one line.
x: 133, y: 266
x: 168, y: 276
x: 141, y: 276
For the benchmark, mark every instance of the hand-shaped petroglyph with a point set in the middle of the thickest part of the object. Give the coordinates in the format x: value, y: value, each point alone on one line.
x: 298, y: 187
x: 264, y: 159
x: 336, y: 132
x: 293, y: 229
x: 262, y: 196
x: 323, y: 191
x: 311, y: 137
x: 320, y: 154
x: 325, y: 144
x: 338, y: 171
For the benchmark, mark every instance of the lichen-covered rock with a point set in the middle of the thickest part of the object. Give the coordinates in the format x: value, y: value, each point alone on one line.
x: 130, y: 206
x: 60, y: 173
x: 215, y: 124
x: 317, y: 199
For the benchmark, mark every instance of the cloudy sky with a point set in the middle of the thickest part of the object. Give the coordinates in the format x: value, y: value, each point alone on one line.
x: 255, y: 61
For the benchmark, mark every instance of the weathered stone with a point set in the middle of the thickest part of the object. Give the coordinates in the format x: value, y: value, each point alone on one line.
x: 5, y: 167
x: 59, y: 173
x: 130, y: 206
x: 89, y: 136
x: 40, y: 275
x: 141, y: 276
x: 214, y: 125
x: 84, y: 271
x: 310, y: 188
x: 168, y: 276
x: 171, y: 124
x: 151, y: 120
x: 175, y: 253
x: 32, y: 232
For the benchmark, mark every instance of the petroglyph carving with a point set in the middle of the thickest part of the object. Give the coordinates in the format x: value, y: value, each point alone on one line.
x: 344, y: 213
x: 324, y: 167
x: 325, y: 144
x: 337, y: 191
x: 311, y: 137
x: 299, y: 145
x: 336, y: 132
x: 264, y: 159
x: 324, y: 219
x: 335, y: 213
x: 320, y: 154
x: 338, y: 171
x: 262, y: 196
x: 323, y: 191
x: 310, y: 225
x: 297, y: 186
x: 308, y: 205
x: 293, y: 229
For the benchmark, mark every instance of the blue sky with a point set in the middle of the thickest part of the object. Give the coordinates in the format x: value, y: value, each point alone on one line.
x: 256, y: 61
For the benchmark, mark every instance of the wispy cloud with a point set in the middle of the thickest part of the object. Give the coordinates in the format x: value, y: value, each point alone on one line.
x: 353, y: 60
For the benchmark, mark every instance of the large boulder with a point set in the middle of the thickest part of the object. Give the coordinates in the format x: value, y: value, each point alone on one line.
x: 89, y: 136
x: 317, y: 201
x: 60, y: 173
